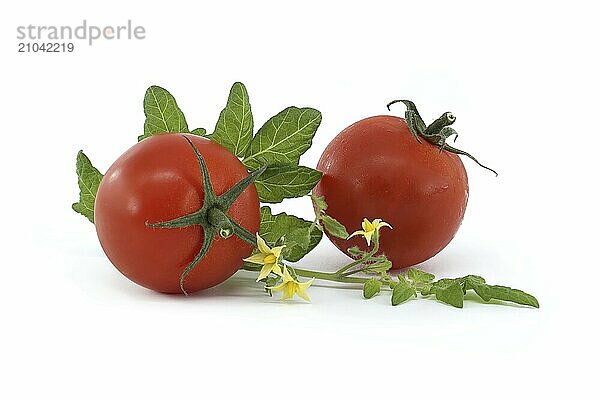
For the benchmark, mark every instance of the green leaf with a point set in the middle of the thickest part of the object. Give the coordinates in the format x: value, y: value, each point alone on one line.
x: 235, y: 125
x: 319, y: 202
x: 425, y: 290
x: 334, y: 227
x: 504, y: 293
x: 371, y: 288
x: 379, y: 266
x: 417, y: 275
x: 283, y: 138
x: 402, y: 291
x: 299, y: 237
x: 513, y: 295
x: 162, y: 113
x: 294, y: 231
x: 88, y: 179
x: 356, y: 252
x: 402, y: 280
x: 449, y: 291
x: 284, y: 182
x: 199, y: 132
x: 471, y: 281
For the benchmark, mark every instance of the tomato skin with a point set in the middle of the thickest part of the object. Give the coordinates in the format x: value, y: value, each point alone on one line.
x: 375, y: 168
x: 157, y: 180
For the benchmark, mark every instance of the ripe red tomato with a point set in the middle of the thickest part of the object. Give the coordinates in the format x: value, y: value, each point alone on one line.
x: 375, y: 168
x: 157, y: 180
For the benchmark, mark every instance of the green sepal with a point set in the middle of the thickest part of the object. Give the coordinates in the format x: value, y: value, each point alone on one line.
x: 412, y: 113
x: 209, y: 235
x: 230, y: 196
x: 270, y: 282
x: 212, y: 216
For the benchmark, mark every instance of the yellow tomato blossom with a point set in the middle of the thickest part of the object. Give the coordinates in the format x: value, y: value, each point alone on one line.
x: 290, y: 286
x: 268, y: 257
x: 369, y: 228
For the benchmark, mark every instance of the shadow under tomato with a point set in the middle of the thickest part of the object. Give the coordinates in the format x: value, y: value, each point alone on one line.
x: 238, y: 285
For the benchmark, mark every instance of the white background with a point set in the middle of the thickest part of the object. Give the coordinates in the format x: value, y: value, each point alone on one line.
x: 522, y: 78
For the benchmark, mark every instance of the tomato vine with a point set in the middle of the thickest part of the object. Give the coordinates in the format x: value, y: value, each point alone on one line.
x: 272, y: 158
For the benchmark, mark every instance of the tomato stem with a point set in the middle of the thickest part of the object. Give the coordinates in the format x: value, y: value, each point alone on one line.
x: 436, y: 133
x: 213, y: 215
x: 220, y: 221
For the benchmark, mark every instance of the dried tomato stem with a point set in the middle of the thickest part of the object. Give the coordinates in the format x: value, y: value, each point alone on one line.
x: 436, y: 133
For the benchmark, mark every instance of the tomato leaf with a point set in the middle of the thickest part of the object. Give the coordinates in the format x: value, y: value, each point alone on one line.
x: 284, y: 182
x: 319, y: 202
x: 299, y: 236
x: 296, y: 242
x: 402, y: 291
x: 417, y: 275
x: 471, y: 282
x: 283, y: 138
x: 449, y: 291
x: 162, y: 113
x: 88, y: 178
x: 513, y: 295
x: 356, y: 252
x: 425, y: 290
x: 334, y: 227
x: 497, y: 292
x: 379, y: 266
x: 235, y: 125
x: 402, y: 280
x: 371, y: 288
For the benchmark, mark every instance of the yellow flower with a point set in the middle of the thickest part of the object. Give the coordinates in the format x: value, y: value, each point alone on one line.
x: 290, y: 286
x: 268, y: 257
x: 369, y: 228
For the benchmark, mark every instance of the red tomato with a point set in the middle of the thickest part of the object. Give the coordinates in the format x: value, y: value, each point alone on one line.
x: 375, y: 168
x: 157, y: 180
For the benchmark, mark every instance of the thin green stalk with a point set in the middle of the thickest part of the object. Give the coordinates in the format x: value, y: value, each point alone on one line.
x: 342, y: 275
x: 364, y: 258
x: 306, y: 273
x: 329, y: 276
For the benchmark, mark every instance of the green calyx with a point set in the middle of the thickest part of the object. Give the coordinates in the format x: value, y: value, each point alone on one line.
x: 436, y: 133
x: 213, y: 215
